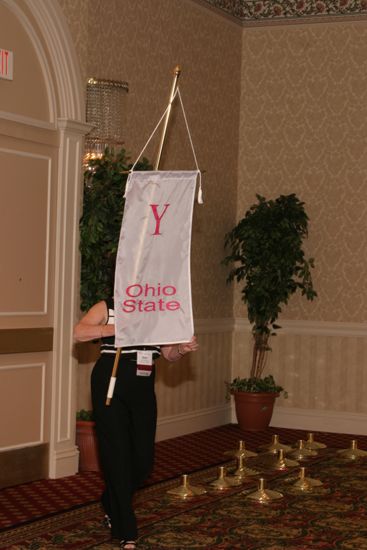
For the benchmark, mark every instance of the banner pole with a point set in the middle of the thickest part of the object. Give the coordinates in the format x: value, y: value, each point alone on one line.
x: 176, y: 74
x: 113, y: 377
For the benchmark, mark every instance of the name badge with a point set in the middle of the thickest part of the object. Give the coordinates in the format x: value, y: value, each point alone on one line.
x: 144, y: 363
x: 145, y: 358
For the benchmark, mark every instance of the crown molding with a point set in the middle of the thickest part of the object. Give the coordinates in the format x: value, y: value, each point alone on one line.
x: 260, y: 12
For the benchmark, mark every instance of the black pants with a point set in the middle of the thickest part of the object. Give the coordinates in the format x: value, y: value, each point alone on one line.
x: 126, y: 433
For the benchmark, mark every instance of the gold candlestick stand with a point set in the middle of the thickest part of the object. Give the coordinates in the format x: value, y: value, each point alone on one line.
x: 262, y: 495
x: 306, y: 484
x: 312, y: 444
x: 242, y: 472
x: 353, y: 453
x: 240, y: 451
x: 186, y: 490
x: 224, y: 482
x: 301, y: 453
x: 275, y: 446
x: 284, y: 463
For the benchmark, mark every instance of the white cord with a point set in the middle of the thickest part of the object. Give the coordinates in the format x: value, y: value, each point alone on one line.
x: 154, y: 131
x: 146, y: 145
x: 200, y: 192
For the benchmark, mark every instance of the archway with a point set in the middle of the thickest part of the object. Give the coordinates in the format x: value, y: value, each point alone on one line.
x: 41, y: 142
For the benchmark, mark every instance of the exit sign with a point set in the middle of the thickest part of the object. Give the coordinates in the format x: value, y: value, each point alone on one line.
x: 6, y: 64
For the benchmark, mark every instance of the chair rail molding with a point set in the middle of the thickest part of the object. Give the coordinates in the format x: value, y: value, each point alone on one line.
x: 325, y: 328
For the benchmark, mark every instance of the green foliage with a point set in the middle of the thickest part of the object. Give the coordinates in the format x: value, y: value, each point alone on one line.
x: 100, y: 224
x: 254, y: 385
x: 266, y: 250
x: 84, y: 415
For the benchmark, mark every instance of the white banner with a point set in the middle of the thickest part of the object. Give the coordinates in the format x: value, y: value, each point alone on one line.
x: 152, y: 279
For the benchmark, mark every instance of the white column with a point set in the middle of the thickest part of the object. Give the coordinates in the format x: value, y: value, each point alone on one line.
x: 63, y: 457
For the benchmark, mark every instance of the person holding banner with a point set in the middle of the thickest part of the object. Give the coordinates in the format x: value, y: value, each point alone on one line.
x: 126, y: 428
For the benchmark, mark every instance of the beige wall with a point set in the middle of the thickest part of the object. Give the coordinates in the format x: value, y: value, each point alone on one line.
x: 272, y: 109
x: 26, y: 94
x: 141, y: 42
x: 303, y: 130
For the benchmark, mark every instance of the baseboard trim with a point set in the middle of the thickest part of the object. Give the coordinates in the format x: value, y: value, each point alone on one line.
x: 23, y: 465
x: 64, y: 462
x: 322, y: 421
x: 194, y: 421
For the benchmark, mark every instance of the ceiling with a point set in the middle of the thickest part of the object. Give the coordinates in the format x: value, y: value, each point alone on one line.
x: 273, y: 11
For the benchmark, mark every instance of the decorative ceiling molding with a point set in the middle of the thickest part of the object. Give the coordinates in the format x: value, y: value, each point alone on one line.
x: 280, y: 11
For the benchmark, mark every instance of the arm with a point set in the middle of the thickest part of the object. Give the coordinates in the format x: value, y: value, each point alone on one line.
x: 93, y: 325
x: 176, y: 351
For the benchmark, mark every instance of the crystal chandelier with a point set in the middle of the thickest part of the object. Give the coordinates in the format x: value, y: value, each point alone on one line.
x: 105, y: 113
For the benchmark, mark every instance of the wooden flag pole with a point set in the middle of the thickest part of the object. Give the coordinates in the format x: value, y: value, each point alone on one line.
x: 112, y: 383
x: 176, y: 73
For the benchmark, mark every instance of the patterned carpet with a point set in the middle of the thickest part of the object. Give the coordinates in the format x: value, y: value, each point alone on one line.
x: 24, y: 503
x: 64, y: 513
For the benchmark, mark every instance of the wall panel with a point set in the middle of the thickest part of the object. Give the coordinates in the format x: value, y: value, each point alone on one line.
x: 23, y: 403
x: 24, y: 223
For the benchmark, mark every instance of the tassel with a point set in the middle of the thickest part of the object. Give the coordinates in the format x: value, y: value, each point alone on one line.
x: 200, y: 196
x: 127, y: 185
x: 200, y: 192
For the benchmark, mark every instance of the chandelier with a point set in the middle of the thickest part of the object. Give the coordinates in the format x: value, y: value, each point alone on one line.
x: 105, y: 108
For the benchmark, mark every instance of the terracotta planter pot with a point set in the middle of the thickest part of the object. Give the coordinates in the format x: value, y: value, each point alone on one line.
x: 254, y: 410
x: 86, y: 440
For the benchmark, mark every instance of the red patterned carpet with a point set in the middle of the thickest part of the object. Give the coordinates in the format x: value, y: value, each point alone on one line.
x: 186, y: 454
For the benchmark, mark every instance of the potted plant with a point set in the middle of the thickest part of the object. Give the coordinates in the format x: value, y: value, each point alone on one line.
x: 86, y: 441
x: 103, y: 205
x: 266, y: 253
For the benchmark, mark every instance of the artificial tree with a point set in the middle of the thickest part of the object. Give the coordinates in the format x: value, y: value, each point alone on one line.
x: 103, y: 205
x: 266, y: 252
